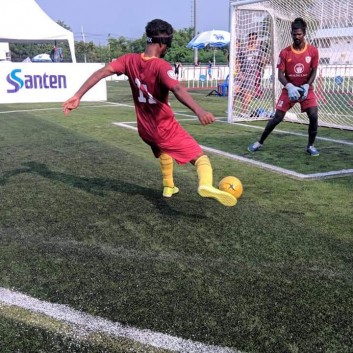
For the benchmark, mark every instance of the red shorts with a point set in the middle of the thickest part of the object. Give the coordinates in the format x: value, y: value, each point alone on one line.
x: 284, y: 104
x: 177, y: 143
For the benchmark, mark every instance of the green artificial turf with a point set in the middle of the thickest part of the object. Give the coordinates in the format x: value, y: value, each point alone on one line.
x: 83, y: 223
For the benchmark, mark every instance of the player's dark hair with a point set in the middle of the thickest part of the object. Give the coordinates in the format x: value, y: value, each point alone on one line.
x: 299, y: 23
x: 159, y: 31
x: 157, y: 27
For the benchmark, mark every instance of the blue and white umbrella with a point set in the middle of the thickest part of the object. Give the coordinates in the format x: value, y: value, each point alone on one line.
x: 41, y: 58
x: 213, y: 39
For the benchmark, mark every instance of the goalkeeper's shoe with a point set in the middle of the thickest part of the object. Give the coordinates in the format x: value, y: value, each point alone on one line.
x: 254, y: 146
x: 223, y: 197
x: 169, y: 192
x: 312, y: 151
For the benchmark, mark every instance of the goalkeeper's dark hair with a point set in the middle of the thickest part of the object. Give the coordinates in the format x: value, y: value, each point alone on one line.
x: 158, y: 27
x: 299, y: 23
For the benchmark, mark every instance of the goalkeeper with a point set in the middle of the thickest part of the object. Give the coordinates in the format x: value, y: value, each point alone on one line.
x: 151, y: 78
x: 297, y: 68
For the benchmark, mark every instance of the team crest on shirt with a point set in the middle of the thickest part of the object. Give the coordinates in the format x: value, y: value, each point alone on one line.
x: 172, y: 74
x: 308, y: 59
x: 299, y: 68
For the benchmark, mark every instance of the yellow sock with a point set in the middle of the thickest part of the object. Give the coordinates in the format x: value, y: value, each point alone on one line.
x: 204, y: 170
x: 166, y: 163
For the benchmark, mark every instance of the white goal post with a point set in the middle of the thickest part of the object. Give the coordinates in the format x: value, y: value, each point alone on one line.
x: 266, y: 24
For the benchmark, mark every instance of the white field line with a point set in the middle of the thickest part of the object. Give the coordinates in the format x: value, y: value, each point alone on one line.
x: 335, y: 173
x: 87, y: 324
x: 262, y: 165
x: 343, y: 142
x: 39, y: 109
x: 279, y: 170
x: 192, y: 117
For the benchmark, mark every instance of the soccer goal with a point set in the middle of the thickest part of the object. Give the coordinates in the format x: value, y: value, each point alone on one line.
x: 266, y: 25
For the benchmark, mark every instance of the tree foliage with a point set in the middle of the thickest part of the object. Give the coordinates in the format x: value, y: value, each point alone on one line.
x: 91, y: 52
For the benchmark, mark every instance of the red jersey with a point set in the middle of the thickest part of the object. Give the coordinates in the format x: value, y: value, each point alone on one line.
x: 150, y: 81
x: 298, y: 64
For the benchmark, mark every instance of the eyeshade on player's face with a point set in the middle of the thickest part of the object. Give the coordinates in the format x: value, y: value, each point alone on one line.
x: 298, y: 37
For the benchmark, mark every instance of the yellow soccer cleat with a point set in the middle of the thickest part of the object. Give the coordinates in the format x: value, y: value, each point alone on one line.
x: 169, y: 192
x: 223, y: 197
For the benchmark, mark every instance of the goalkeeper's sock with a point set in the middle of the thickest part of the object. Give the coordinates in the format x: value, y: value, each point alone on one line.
x: 166, y: 163
x: 269, y: 128
x: 312, y: 130
x: 204, y: 170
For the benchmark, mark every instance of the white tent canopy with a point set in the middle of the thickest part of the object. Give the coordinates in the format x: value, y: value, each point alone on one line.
x: 24, y: 21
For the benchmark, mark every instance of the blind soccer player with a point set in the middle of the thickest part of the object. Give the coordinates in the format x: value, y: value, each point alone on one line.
x: 151, y: 79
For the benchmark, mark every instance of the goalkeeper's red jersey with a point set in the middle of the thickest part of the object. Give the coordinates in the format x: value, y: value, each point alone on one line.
x: 298, y: 64
x: 151, y: 79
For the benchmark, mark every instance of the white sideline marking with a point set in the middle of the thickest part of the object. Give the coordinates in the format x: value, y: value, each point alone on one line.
x: 343, y: 142
x: 88, y: 324
x: 335, y: 173
x: 127, y: 125
x: 266, y: 166
x: 273, y: 168
x: 112, y: 104
x: 53, y: 108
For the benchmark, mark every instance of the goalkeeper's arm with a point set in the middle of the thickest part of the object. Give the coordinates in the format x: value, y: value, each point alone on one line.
x: 282, y: 78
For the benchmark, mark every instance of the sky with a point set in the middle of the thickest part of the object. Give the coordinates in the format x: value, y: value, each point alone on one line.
x: 128, y: 18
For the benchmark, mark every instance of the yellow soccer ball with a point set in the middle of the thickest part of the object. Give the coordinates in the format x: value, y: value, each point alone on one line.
x: 232, y: 185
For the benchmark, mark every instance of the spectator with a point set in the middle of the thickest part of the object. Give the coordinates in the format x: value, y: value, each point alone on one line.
x: 209, y: 69
x: 178, y: 69
x: 56, y: 54
x: 250, y: 63
x: 263, y: 61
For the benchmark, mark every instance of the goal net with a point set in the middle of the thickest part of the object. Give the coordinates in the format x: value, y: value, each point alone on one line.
x: 264, y: 27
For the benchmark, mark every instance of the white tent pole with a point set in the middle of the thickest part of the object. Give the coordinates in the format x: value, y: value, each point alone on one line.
x: 196, y: 54
x: 84, y: 42
x: 72, y: 50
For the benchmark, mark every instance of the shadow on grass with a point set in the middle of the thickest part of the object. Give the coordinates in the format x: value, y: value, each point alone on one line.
x: 97, y: 186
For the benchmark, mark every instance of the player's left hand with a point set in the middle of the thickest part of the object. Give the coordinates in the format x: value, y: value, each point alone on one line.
x: 305, y: 92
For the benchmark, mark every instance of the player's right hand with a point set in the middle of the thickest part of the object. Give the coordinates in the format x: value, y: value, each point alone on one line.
x: 293, y: 91
x: 70, y: 104
x: 206, y: 118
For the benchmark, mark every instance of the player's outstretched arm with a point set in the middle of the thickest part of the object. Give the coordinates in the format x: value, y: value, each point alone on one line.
x: 74, y: 101
x: 184, y: 97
